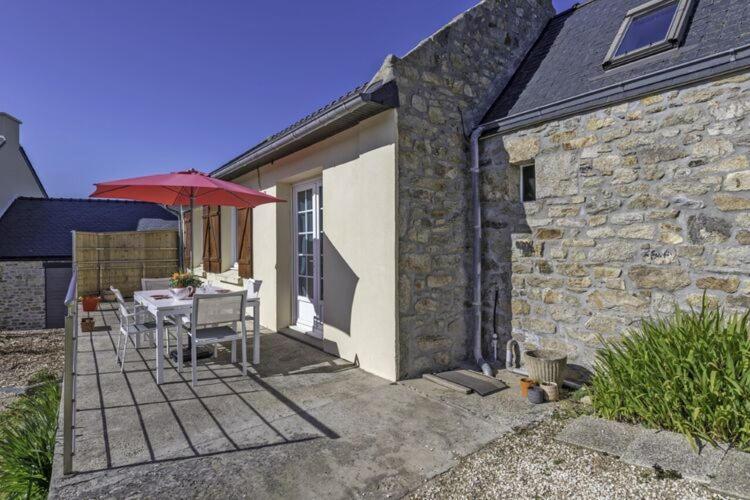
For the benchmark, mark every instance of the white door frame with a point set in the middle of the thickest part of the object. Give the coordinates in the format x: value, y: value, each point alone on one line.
x: 316, y: 327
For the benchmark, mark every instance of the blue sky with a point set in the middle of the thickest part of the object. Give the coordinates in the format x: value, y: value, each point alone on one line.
x: 111, y: 89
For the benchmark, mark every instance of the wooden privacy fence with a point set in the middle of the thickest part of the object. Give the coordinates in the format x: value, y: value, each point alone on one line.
x: 121, y: 259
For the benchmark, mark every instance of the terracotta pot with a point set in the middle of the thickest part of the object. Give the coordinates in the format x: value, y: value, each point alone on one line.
x: 87, y: 324
x: 90, y: 303
x: 546, y: 365
x: 551, y: 390
x: 526, y: 384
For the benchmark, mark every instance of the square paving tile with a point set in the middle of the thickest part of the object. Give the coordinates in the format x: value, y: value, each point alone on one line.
x: 601, y: 435
x: 672, y: 451
x: 733, y: 475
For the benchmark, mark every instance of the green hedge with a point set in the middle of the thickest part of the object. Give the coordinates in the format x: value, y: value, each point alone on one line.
x: 27, y: 440
x: 688, y: 373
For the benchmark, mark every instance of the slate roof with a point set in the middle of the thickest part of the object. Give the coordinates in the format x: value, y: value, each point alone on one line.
x: 39, y: 228
x: 566, y: 60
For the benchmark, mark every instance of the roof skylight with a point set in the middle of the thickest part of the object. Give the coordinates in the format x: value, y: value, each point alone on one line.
x: 650, y: 28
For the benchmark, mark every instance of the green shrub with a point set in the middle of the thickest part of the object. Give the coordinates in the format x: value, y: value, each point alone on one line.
x: 688, y: 373
x: 27, y: 440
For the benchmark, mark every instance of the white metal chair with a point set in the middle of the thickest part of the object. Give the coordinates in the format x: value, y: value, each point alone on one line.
x: 154, y: 284
x: 213, y: 320
x: 130, y: 328
x: 140, y: 312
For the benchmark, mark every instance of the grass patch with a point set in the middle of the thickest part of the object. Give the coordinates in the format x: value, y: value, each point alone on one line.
x: 27, y: 439
x: 688, y: 373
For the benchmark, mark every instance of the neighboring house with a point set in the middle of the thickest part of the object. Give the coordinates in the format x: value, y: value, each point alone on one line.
x: 621, y: 124
x: 36, y: 251
x: 19, y: 176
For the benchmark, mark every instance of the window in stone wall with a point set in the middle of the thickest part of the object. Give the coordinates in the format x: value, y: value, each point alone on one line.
x: 528, y: 183
x: 649, y: 28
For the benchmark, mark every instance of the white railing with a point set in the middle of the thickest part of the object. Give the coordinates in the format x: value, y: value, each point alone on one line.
x: 69, y: 376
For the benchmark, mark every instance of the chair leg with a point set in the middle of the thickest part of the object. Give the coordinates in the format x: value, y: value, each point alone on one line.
x: 234, y: 351
x: 244, y: 351
x: 124, y: 350
x: 117, y: 352
x: 166, y: 334
x: 193, y: 362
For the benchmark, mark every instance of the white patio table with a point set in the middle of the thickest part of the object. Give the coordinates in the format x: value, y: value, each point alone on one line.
x: 156, y: 303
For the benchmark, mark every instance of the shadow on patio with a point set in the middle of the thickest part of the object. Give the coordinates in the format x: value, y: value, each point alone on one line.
x: 126, y: 419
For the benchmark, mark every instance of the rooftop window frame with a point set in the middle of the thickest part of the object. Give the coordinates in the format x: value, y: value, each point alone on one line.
x: 673, y: 38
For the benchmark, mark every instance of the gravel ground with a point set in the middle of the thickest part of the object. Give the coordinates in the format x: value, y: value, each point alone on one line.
x: 23, y: 353
x: 530, y: 464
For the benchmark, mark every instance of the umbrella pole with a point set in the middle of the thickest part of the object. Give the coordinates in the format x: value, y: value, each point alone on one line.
x: 192, y: 218
x: 181, y: 245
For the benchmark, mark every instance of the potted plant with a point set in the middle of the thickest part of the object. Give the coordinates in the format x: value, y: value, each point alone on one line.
x: 183, y: 285
x: 546, y: 365
x: 90, y: 302
x: 526, y: 384
x: 551, y: 391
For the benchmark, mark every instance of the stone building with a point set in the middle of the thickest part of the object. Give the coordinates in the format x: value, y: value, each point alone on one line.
x: 36, y: 251
x: 612, y: 146
x: 641, y: 173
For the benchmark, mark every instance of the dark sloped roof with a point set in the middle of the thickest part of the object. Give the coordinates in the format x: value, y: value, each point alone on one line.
x: 374, y: 98
x: 566, y: 60
x: 39, y: 228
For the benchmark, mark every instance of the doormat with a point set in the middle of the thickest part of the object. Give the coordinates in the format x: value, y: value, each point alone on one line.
x: 479, y: 383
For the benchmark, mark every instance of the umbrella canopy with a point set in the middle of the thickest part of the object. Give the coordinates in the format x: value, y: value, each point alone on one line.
x: 183, y: 188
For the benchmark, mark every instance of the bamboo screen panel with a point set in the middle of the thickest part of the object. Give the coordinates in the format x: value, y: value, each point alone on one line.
x: 121, y: 259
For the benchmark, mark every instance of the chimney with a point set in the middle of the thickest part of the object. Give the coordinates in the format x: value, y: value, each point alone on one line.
x: 9, y: 131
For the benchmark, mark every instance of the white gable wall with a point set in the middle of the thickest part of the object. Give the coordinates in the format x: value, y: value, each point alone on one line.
x: 17, y: 177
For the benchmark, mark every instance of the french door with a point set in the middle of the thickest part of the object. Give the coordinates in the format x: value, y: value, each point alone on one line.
x: 308, y: 253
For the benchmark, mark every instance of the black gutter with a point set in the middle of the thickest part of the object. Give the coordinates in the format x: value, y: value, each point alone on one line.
x: 372, y: 100
x: 706, y: 68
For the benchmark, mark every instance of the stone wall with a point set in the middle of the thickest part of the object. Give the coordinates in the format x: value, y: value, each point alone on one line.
x: 640, y: 207
x: 445, y: 86
x: 22, y: 295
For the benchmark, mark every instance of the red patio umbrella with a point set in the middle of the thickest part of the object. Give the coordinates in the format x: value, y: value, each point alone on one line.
x: 183, y: 188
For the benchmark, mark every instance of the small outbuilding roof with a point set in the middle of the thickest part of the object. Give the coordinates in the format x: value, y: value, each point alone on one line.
x: 567, y: 60
x: 39, y: 228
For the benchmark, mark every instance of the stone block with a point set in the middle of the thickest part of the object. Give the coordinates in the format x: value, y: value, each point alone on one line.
x: 613, y: 252
x: 665, y: 278
x: 604, y: 436
x: 616, y: 300
x: 730, y: 203
x: 737, y: 181
x: 705, y: 229
x: 728, y: 285
x: 559, y: 178
x: 638, y: 232
x: 672, y: 452
x: 645, y: 200
x: 521, y: 149
x: 733, y: 475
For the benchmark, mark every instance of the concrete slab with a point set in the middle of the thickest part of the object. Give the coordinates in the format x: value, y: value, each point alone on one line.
x: 301, y: 424
x: 733, y: 475
x: 672, y: 451
x: 600, y: 435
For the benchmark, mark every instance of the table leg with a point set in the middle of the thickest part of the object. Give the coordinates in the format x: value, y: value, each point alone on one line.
x: 256, y: 333
x: 159, y: 348
x: 179, y: 344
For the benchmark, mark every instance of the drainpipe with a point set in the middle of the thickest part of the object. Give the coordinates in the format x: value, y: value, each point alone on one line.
x: 477, y: 253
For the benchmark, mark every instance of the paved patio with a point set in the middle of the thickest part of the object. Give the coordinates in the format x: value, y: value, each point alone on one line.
x: 301, y: 424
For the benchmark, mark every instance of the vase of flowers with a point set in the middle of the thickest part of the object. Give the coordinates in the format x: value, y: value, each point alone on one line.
x: 183, y: 285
